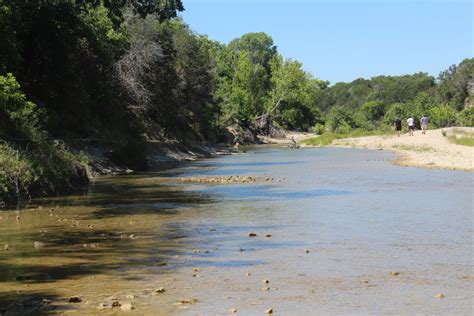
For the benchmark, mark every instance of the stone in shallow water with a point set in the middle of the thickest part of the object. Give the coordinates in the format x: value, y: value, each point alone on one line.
x: 159, y: 290
x: 104, y: 306
x: 127, y: 307
x: 38, y: 244
x: 75, y: 299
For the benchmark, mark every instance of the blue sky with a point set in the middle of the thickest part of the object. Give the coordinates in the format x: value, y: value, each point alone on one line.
x: 341, y: 40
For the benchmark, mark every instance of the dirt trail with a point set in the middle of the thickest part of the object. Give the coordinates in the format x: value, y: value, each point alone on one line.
x: 432, y: 150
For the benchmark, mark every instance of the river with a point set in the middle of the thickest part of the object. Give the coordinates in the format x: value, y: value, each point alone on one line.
x: 348, y: 233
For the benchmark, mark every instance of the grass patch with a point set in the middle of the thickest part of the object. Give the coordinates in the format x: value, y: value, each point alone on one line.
x: 326, y: 139
x: 419, y: 149
x: 463, y: 140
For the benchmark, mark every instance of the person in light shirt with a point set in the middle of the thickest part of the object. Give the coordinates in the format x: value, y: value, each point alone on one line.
x: 411, y: 126
x: 424, y: 123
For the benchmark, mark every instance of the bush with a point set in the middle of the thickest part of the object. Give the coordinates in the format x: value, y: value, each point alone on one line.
x: 442, y: 116
x: 19, y: 117
x: 466, y: 117
x: 319, y: 129
x: 339, y: 117
x: 28, y: 159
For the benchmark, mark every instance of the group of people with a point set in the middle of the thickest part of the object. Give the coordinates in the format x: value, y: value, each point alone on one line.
x: 411, y: 125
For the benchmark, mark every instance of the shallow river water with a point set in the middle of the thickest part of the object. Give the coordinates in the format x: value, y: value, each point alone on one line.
x: 350, y: 234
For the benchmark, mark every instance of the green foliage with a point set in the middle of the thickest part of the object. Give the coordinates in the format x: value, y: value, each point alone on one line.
x: 339, y: 119
x: 466, y: 117
x: 20, y: 118
x: 29, y: 160
x: 463, y: 140
x: 318, y: 129
x: 442, y: 116
x: 386, y: 89
x: 452, y: 88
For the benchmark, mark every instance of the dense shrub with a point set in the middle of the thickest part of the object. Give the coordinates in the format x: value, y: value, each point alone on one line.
x: 466, y: 117
x: 442, y: 116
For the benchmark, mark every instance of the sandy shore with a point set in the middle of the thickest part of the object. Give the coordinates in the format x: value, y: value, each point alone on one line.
x: 431, y: 150
x: 289, y: 135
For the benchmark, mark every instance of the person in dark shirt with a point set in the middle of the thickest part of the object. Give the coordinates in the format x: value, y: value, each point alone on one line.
x: 398, y: 126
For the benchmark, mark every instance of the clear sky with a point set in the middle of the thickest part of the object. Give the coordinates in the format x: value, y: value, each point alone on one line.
x: 341, y: 40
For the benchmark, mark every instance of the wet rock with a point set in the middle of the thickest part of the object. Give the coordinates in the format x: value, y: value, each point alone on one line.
x: 394, y: 273
x: 74, y: 299
x: 127, y: 307
x: 252, y: 235
x: 104, y: 306
x: 22, y: 278
x: 269, y: 311
x: 159, y: 290
x: 38, y: 245
x: 116, y: 304
x: 45, y: 301
x: 91, y: 246
x: 232, y: 310
x: 187, y: 301
x: 439, y: 295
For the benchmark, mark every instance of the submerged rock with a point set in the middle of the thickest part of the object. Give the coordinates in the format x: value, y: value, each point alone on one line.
x: 74, y: 299
x: 38, y: 245
x: 104, y: 306
x: 127, y: 307
x: 159, y: 290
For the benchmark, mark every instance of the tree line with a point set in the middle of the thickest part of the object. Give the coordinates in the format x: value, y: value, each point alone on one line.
x: 126, y: 71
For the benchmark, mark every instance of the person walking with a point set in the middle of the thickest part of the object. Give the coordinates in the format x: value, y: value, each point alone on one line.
x: 411, y: 126
x: 424, y: 123
x: 398, y: 126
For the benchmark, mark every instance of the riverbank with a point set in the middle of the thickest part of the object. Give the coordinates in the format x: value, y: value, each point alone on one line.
x: 289, y: 136
x: 431, y: 150
x: 158, y: 153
